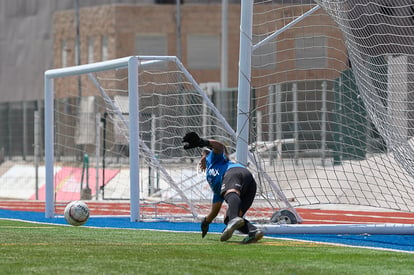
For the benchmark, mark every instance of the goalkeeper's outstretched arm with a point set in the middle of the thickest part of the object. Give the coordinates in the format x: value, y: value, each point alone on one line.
x: 216, y: 146
x: 193, y: 140
x: 215, y: 209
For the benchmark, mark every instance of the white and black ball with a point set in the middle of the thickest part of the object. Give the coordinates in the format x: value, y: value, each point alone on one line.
x: 76, y: 213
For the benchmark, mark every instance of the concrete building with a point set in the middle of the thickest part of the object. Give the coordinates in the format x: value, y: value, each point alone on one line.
x: 114, y: 31
x: 40, y: 35
x: 26, y: 52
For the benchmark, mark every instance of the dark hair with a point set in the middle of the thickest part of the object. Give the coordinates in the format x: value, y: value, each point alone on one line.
x: 206, y: 150
x: 226, y: 152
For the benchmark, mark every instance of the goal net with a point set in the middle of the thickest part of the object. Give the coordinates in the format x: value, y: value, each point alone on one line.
x: 329, y: 117
x: 332, y: 115
x: 114, y: 132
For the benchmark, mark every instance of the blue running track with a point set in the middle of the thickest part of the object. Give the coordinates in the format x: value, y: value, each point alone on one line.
x: 402, y: 243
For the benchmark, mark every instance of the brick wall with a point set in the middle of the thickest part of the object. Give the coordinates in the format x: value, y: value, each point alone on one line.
x: 121, y: 23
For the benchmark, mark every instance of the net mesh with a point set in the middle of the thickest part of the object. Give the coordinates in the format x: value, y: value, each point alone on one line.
x: 330, y: 118
x: 332, y: 98
x: 92, y: 138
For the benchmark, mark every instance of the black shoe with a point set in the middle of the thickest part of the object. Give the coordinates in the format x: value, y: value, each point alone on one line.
x: 253, y: 237
x: 233, y: 225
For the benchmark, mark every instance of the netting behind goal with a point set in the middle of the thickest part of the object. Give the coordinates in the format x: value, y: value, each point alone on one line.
x: 329, y: 119
x: 92, y: 130
x: 333, y: 105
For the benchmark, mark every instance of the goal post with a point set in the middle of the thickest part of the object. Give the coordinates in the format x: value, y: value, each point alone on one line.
x: 128, y: 62
x: 145, y: 105
x: 133, y: 136
x: 243, y: 100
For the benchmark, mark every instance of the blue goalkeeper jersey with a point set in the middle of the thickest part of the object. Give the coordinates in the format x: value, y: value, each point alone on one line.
x: 216, y: 167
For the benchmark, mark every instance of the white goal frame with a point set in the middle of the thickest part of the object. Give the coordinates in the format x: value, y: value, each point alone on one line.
x: 131, y: 63
x: 243, y: 155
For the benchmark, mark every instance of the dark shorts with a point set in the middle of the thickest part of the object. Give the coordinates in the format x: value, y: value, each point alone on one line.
x: 241, y: 179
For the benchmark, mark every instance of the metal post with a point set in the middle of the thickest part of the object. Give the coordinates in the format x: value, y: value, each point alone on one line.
x: 134, y: 136
x: 9, y: 131
x: 151, y: 188
x: 77, y: 32
x: 178, y: 22
x: 323, y: 122
x: 271, y: 110
x: 24, y: 113
x: 243, y: 111
x: 97, y: 153
x: 341, y: 133
x: 295, y: 121
x: 49, y: 142
x: 78, y: 54
x: 259, y: 126
x: 279, y: 121
x: 103, y: 120
x: 37, y: 149
x: 224, y: 44
x: 286, y: 27
x: 223, y: 103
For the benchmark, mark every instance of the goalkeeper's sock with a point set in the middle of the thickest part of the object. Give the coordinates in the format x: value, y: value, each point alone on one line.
x: 233, y: 200
x: 248, y: 227
x: 244, y: 229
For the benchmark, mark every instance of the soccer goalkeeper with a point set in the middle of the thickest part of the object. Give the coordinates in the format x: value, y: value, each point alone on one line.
x: 230, y: 182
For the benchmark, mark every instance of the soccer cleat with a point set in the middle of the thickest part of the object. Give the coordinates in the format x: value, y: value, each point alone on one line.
x: 253, y: 237
x: 233, y: 225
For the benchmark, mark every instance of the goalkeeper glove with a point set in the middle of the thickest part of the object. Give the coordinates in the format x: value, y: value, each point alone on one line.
x: 192, y: 140
x: 204, y: 227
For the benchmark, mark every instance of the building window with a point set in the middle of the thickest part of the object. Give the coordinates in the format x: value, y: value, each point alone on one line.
x: 153, y: 45
x: 311, y: 52
x: 64, y: 53
x: 104, y: 47
x: 264, y: 57
x: 90, y: 50
x: 203, y: 51
x: 150, y: 45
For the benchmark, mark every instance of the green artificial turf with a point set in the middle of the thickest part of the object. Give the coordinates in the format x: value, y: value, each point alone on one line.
x: 29, y: 248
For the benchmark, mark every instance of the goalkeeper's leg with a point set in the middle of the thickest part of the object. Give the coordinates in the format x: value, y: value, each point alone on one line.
x: 247, y: 197
x: 235, y: 222
x: 253, y: 233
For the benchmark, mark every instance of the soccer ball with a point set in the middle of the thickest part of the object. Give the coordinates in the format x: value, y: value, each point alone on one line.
x: 76, y: 213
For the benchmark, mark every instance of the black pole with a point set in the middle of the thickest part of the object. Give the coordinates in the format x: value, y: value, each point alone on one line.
x: 103, y: 120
